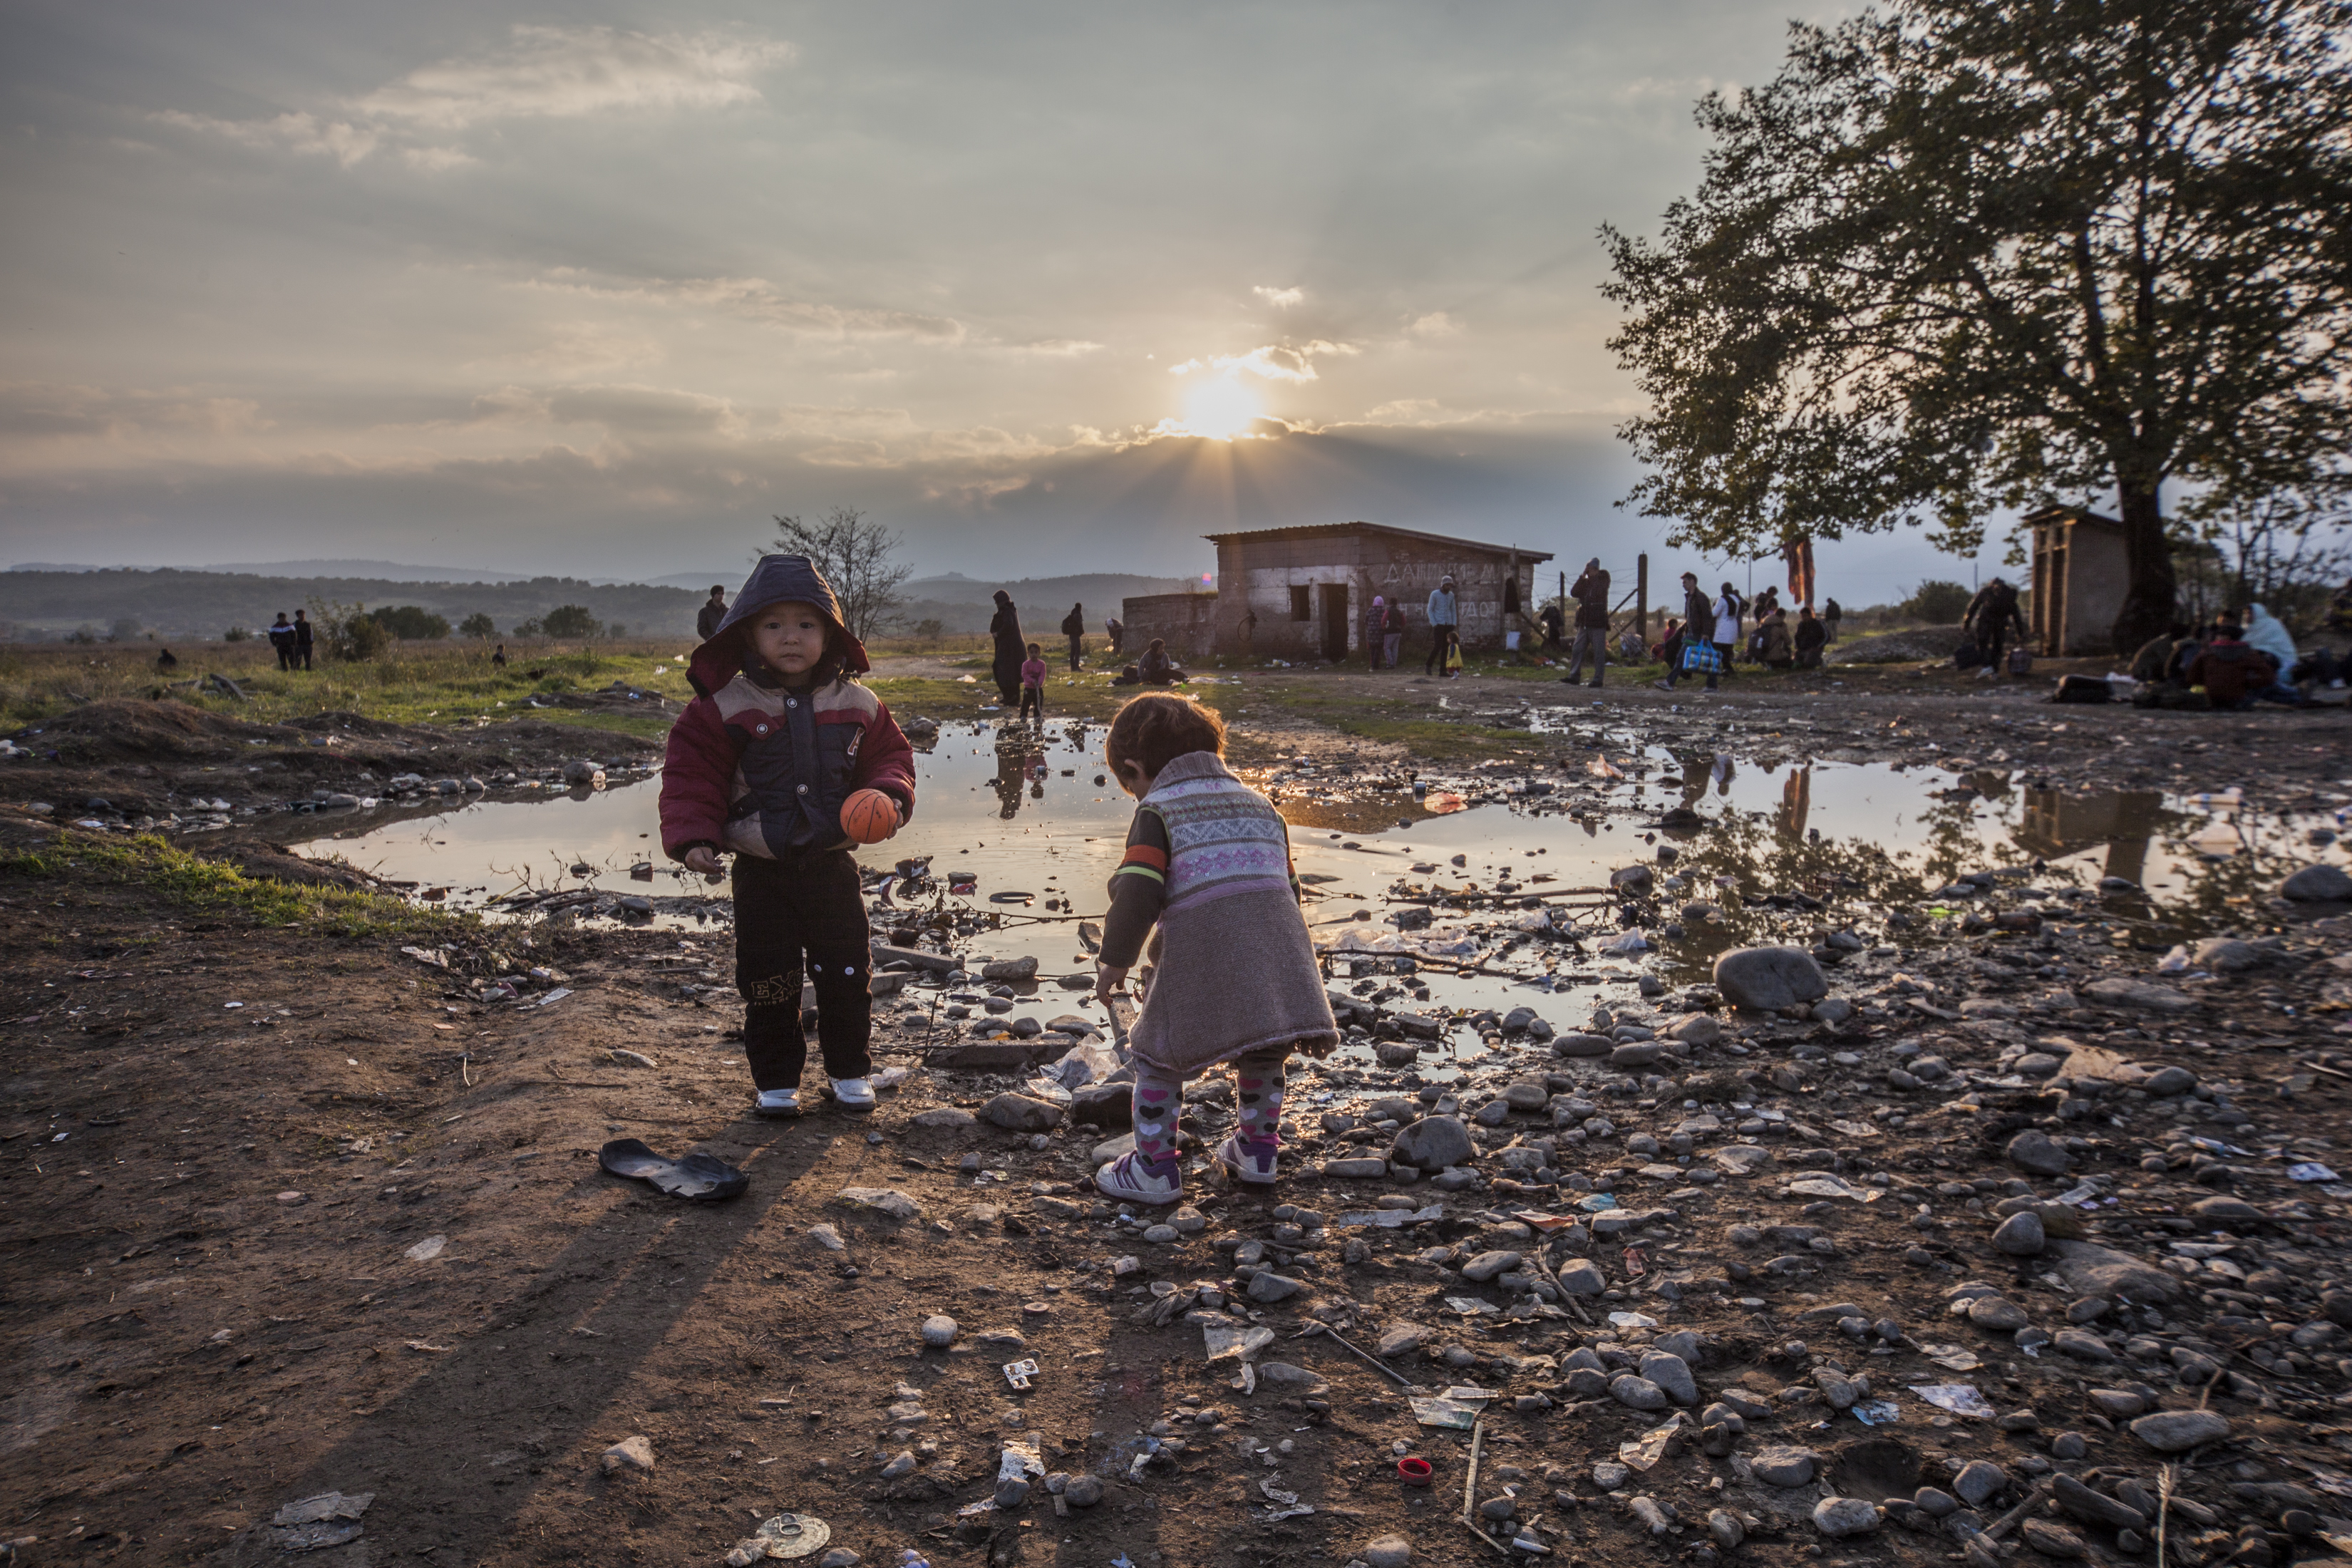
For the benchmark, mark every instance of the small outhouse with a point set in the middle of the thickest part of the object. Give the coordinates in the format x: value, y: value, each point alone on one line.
x: 2079, y: 573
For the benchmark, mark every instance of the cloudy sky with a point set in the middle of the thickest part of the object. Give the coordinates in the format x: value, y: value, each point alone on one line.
x: 598, y: 288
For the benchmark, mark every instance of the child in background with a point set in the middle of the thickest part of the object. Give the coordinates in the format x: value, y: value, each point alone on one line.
x: 1033, y: 683
x: 1235, y: 976
x: 777, y: 738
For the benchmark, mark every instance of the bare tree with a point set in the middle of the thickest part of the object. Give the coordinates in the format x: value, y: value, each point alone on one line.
x: 2285, y: 549
x: 855, y: 554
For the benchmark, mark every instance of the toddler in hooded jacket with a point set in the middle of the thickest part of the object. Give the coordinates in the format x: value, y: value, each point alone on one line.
x: 778, y: 736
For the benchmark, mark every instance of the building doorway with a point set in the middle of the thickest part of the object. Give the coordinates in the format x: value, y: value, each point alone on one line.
x: 1334, y: 620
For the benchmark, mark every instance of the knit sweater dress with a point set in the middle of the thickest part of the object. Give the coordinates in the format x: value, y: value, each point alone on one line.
x: 1235, y: 971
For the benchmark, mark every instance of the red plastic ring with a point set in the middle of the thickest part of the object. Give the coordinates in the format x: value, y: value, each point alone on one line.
x: 1414, y: 1472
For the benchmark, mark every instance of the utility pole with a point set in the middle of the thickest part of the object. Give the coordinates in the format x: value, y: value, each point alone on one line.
x: 1642, y: 594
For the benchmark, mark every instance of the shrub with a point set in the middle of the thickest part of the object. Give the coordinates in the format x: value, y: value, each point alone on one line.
x: 571, y: 621
x: 237, y: 634
x: 1938, y: 602
x: 413, y: 623
x: 347, y: 632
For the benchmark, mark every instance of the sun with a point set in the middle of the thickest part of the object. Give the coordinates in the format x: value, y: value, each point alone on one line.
x: 1221, y: 410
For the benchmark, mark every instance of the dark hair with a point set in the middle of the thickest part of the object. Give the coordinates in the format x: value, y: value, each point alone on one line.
x: 1155, y: 729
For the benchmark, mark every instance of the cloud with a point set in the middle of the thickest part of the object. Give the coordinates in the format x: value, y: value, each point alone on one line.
x: 1436, y: 324
x: 627, y: 410
x: 760, y: 300
x: 568, y: 72
x: 37, y: 411
x: 1274, y: 362
x: 541, y: 72
x: 1280, y: 299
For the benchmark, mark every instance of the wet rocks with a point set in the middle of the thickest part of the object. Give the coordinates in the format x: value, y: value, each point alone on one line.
x: 1019, y: 1113
x: 1843, y: 1516
x: 1632, y: 878
x: 1010, y: 969
x: 2318, y: 884
x: 1432, y: 1143
x: 2020, y: 1235
x: 1770, y: 978
x: 940, y: 1330
x: 2098, y: 1270
x: 2177, y: 1431
x: 2038, y: 1154
x: 1581, y: 1044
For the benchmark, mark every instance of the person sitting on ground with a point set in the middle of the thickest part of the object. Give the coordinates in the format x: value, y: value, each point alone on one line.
x: 1809, y: 638
x: 1629, y: 646
x: 2268, y: 633
x: 1033, y: 684
x: 1156, y: 667
x: 2320, y: 667
x: 1208, y: 863
x: 164, y: 660
x: 1671, y: 644
x: 2154, y: 661
x: 499, y: 655
x: 1778, y: 650
x: 2232, y: 674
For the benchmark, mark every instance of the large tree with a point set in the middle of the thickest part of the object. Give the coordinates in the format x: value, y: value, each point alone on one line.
x: 1973, y: 253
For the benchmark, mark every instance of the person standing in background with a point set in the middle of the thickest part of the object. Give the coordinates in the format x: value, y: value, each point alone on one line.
x: 1074, y: 626
x: 1011, y: 649
x: 302, y: 638
x: 713, y: 611
x: 282, y: 638
x: 1727, y: 610
x: 1830, y: 615
x: 1445, y: 625
x: 1375, y: 616
x: 1591, y: 597
x: 1392, y: 634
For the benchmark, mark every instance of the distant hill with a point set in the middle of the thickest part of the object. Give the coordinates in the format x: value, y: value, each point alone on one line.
x: 170, y: 601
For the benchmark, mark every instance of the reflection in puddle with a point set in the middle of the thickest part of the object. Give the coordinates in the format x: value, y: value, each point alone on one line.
x: 1768, y: 847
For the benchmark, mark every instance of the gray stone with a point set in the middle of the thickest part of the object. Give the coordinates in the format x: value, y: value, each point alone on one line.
x: 2020, y: 1235
x: 2168, y: 1081
x: 1996, y: 1313
x: 945, y: 1119
x: 1770, y: 977
x: 1672, y: 1373
x: 1785, y: 1466
x: 1486, y: 1265
x: 1362, y: 1167
x: 1978, y: 1482
x: 2117, y: 1404
x: 1842, y: 1515
x: 2082, y: 1345
x: 2121, y: 992
x: 902, y: 1463
x: 1641, y: 1054
x: 1084, y: 1491
x: 1019, y: 1113
x: 2318, y: 885
x: 1386, y: 1551
x: 2227, y: 955
x: 839, y: 1557
x: 1269, y: 1287
x: 1834, y: 1011
x: 634, y: 1453
x: 1402, y: 1340
x: 1010, y: 969
x: 1632, y: 878
x: 1639, y: 1393
x: 1581, y: 1044
x: 2220, y: 1212
x: 1609, y: 1475
x: 2098, y: 1270
x: 2052, y: 1539
x: 1432, y: 1143
x: 1935, y: 1503
x: 1581, y: 1277
x: 940, y: 1330
x: 2036, y: 1154
x: 1526, y: 1095
x: 1724, y: 1528
x: 2177, y: 1431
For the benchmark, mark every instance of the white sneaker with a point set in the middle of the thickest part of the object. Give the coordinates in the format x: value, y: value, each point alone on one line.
x: 777, y: 1102
x: 852, y: 1093
x: 1133, y: 1177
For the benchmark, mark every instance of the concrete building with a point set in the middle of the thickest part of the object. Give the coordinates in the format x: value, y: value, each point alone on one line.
x: 2079, y: 575
x: 1187, y: 623
x: 1302, y: 592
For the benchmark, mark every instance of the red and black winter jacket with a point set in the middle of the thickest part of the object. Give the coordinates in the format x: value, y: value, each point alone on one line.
x: 764, y: 769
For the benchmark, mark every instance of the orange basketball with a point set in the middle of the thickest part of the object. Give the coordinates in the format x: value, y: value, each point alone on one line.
x: 869, y: 816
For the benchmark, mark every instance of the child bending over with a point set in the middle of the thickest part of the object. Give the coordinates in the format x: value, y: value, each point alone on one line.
x: 1235, y: 976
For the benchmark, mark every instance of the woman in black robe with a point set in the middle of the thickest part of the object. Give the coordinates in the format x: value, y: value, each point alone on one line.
x: 1011, y: 647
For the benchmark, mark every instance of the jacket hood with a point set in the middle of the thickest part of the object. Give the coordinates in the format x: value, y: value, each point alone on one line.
x: 775, y: 581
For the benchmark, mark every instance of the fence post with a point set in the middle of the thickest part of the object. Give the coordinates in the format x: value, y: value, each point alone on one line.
x: 1642, y: 594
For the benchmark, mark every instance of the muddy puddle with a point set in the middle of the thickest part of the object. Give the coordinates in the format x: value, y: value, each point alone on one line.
x: 1499, y: 875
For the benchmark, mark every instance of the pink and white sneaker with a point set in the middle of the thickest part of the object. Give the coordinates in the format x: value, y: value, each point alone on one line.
x: 1139, y: 1180
x: 1252, y: 1167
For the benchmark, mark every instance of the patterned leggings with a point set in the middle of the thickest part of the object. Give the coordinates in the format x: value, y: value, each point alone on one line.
x: 1160, y: 1098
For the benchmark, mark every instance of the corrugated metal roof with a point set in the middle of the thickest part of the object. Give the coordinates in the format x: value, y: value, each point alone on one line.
x: 1342, y: 529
